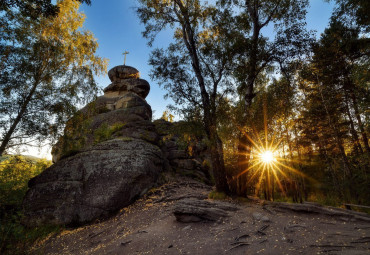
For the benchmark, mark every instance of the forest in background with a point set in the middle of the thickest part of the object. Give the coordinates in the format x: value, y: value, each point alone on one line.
x: 304, y: 99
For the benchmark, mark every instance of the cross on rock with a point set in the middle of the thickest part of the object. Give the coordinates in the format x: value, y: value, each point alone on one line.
x: 125, y: 53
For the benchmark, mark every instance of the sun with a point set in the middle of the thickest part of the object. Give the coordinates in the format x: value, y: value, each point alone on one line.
x: 267, y: 157
x: 266, y: 164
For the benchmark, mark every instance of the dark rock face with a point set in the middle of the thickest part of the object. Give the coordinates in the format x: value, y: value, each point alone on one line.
x: 122, y: 72
x: 94, y: 183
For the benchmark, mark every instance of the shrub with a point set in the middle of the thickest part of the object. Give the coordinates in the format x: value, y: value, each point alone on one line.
x: 15, y: 172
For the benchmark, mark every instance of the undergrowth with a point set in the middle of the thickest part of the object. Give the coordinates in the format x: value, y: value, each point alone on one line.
x: 15, y: 172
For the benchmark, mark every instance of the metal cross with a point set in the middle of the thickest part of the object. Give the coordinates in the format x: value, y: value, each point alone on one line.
x: 125, y: 53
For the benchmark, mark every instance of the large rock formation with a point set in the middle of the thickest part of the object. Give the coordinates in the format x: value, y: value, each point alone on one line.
x: 121, y: 112
x: 110, y: 154
x: 107, y: 157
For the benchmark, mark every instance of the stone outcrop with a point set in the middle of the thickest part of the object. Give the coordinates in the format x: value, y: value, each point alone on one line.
x: 93, y: 183
x: 107, y: 157
x: 182, y: 154
x: 121, y: 111
x: 111, y: 153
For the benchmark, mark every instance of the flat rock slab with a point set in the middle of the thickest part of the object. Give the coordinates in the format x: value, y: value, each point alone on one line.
x: 195, y: 210
x: 94, y: 183
x: 315, y: 208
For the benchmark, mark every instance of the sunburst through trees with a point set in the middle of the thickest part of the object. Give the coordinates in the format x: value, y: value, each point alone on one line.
x: 269, y: 167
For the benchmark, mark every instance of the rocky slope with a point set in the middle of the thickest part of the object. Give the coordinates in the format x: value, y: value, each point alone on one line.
x: 177, y: 218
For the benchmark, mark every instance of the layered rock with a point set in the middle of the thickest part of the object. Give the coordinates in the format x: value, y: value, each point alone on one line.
x: 93, y: 183
x: 107, y: 157
x: 182, y: 153
x: 121, y: 111
x: 110, y: 154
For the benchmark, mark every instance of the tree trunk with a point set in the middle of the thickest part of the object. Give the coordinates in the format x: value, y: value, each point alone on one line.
x: 355, y: 138
x: 218, y: 165
x: 13, y: 127
x: 359, y: 121
x: 244, y: 145
x: 333, y: 126
x: 210, y: 118
x: 244, y: 149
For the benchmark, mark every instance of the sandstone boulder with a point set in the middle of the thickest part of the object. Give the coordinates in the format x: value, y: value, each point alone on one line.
x: 93, y: 183
x: 138, y: 86
x: 110, y: 154
x: 121, y: 72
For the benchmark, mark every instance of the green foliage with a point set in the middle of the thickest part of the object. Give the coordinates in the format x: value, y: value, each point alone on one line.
x: 47, y: 69
x: 354, y: 12
x: 105, y: 132
x: 167, y: 116
x: 34, y: 8
x: 15, y: 172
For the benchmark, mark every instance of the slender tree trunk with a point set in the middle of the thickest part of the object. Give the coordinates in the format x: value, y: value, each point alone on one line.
x: 304, y: 187
x: 210, y: 118
x: 355, y: 138
x: 16, y: 121
x: 338, y: 139
x: 244, y: 150
x: 359, y: 121
x: 218, y: 164
x: 324, y: 152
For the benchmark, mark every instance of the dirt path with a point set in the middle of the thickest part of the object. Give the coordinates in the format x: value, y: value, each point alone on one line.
x: 150, y: 227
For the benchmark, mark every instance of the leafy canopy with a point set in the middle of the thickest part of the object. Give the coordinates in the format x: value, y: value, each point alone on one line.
x: 46, y: 72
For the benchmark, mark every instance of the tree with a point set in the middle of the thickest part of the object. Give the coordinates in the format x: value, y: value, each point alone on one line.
x: 193, y: 68
x: 332, y: 120
x: 256, y: 53
x: 34, y: 8
x: 354, y: 12
x: 47, y: 71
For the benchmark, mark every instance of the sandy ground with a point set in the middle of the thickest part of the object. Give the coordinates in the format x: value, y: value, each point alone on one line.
x: 150, y: 227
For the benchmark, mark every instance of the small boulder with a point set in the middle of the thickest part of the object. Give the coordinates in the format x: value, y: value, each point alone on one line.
x: 257, y: 216
x: 123, y: 72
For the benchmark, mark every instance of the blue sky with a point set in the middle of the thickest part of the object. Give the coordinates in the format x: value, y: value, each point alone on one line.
x: 117, y: 28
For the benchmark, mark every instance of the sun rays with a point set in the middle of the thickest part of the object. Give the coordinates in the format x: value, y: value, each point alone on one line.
x: 268, y: 166
x: 267, y: 157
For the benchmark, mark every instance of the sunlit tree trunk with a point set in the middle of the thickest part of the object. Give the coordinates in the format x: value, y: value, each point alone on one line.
x: 359, y: 121
x: 303, y: 181
x: 355, y: 138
